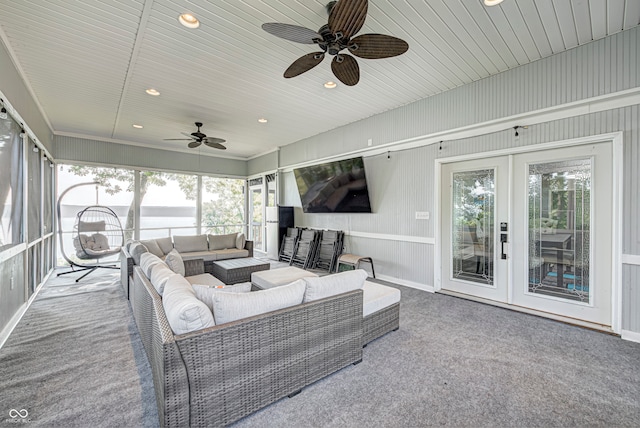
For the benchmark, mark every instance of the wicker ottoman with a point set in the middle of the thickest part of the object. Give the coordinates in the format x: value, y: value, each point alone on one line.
x: 233, y: 271
x: 276, y: 277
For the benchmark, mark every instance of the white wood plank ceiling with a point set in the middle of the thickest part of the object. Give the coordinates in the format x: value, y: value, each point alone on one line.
x: 89, y: 62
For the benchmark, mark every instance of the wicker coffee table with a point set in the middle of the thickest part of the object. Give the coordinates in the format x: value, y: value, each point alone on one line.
x: 233, y: 271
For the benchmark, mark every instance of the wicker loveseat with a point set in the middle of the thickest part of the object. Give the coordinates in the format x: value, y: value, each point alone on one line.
x: 219, y: 374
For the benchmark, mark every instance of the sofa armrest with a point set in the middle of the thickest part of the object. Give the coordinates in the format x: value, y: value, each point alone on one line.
x: 248, y: 245
x: 193, y: 267
x: 126, y: 270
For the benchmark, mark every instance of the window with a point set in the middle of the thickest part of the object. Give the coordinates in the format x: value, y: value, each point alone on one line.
x: 35, y: 187
x: 222, y: 205
x: 167, y: 204
x: 115, y: 191
x: 11, y: 184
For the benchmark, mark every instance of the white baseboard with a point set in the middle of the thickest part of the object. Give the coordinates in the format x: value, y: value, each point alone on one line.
x: 631, y: 336
x: 406, y: 283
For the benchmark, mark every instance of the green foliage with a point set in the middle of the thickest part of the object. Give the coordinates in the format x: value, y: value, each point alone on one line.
x: 225, y: 207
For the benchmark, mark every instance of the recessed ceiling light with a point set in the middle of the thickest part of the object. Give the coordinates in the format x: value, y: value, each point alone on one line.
x: 492, y: 2
x: 263, y: 120
x: 330, y: 85
x: 189, y: 20
x: 153, y: 92
x: 135, y: 125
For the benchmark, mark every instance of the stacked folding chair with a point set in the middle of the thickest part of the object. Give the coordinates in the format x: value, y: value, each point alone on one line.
x: 328, y: 250
x: 305, y: 248
x: 288, y: 246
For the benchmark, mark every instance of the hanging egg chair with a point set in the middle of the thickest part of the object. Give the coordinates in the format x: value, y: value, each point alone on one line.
x: 97, y: 234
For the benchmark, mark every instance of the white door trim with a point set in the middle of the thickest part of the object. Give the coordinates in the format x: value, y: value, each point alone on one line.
x: 616, y: 227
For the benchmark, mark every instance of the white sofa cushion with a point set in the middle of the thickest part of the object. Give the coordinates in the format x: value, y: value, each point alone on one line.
x: 204, y: 279
x: 228, y: 307
x: 240, y: 241
x: 220, y: 242
x: 153, y: 247
x: 330, y: 285
x: 184, y: 311
x: 231, y: 253
x: 160, y: 274
x: 147, y: 261
x: 204, y: 255
x: 274, y: 277
x: 186, y: 244
x: 207, y: 293
x: 377, y: 296
x: 165, y: 244
x: 175, y: 262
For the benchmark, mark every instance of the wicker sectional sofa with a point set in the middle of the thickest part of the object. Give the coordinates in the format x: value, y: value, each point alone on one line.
x: 206, y: 247
x: 219, y: 374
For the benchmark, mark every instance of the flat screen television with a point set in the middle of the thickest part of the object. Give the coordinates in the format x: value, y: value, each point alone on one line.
x: 334, y: 187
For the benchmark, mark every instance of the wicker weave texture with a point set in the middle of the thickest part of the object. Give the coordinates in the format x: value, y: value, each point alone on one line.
x: 241, y: 367
x: 234, y: 271
x: 218, y: 375
x: 380, y: 323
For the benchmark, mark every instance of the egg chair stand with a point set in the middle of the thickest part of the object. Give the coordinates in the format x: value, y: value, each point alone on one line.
x: 97, y: 233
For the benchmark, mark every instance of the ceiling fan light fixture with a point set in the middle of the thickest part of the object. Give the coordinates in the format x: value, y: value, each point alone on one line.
x: 492, y: 2
x: 263, y: 120
x: 330, y: 85
x: 153, y: 92
x: 188, y: 20
x: 135, y: 125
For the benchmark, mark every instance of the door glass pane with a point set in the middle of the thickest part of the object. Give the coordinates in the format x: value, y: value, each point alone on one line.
x: 473, y: 219
x: 559, y: 229
x: 255, y: 205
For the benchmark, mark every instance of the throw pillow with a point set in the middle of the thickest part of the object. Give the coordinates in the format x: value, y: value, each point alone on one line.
x: 206, y: 293
x: 228, y: 307
x: 160, y: 274
x: 240, y: 241
x: 184, y: 311
x: 330, y: 285
x: 221, y: 242
x: 101, y: 241
x: 188, y: 244
x: 147, y: 261
x: 153, y: 247
x: 175, y: 262
x: 165, y: 244
x: 136, y: 250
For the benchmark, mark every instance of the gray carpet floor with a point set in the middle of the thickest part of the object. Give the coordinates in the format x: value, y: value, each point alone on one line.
x: 76, y: 359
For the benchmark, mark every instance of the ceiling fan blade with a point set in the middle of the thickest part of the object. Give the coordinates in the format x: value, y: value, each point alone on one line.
x: 375, y: 46
x: 304, y: 63
x: 177, y: 139
x: 213, y: 140
x: 215, y: 145
x: 347, y: 17
x: 188, y: 135
x: 346, y: 69
x: 294, y: 33
x: 194, y: 144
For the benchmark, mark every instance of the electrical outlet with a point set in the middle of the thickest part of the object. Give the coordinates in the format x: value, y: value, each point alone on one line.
x: 370, y: 142
x: 422, y: 215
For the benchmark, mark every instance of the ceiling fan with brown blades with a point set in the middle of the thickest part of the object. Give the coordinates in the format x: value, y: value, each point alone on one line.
x: 197, y: 138
x: 346, y: 18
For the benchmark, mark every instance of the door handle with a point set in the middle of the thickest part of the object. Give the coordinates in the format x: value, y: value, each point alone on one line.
x: 503, y: 240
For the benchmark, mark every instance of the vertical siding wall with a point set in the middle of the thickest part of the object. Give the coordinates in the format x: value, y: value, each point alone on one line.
x: 401, y: 246
x: 91, y: 151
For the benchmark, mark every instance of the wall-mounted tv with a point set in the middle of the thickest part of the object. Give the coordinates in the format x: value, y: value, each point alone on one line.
x: 334, y: 187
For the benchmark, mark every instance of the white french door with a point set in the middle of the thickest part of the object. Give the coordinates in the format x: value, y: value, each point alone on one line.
x: 553, y: 210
